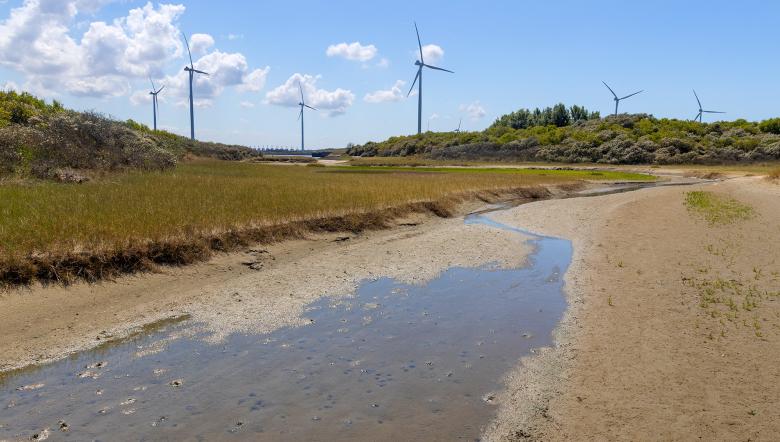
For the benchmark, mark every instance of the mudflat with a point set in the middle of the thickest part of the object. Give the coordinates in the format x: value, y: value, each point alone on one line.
x: 257, y: 291
x: 673, y: 327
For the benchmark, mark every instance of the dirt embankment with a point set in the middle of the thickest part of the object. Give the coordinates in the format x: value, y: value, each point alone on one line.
x: 673, y: 329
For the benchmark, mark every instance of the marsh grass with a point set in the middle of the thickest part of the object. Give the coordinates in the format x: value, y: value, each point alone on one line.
x: 137, y: 220
x: 717, y: 209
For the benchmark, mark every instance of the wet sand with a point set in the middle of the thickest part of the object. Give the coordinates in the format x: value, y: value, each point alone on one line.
x: 637, y: 357
x: 257, y: 291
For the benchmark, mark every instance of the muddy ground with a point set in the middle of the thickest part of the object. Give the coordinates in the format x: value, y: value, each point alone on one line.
x: 641, y: 353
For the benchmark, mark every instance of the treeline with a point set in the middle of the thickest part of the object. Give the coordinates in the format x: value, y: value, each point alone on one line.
x: 44, y: 140
x: 621, y: 139
x: 558, y: 115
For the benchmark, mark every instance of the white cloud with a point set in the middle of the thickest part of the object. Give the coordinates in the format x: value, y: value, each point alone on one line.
x: 395, y: 93
x: 235, y: 36
x: 247, y: 104
x: 224, y: 69
x: 201, y: 43
x: 474, y: 110
x: 36, y: 41
x: 352, y: 51
x: 334, y: 102
x: 255, y: 80
x: 383, y: 63
x: 432, y: 53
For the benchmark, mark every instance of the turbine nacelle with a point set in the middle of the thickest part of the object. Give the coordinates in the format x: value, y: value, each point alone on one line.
x: 702, y: 111
x: 418, y: 78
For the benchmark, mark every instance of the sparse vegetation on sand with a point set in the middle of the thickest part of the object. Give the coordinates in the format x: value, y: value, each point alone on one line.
x: 47, y: 141
x: 717, y: 209
x: 621, y: 139
x: 133, y: 221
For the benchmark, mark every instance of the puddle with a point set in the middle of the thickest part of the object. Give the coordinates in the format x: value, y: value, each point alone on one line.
x: 394, y: 362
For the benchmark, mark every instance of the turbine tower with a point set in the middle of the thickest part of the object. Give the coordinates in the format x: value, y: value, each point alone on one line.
x: 702, y: 111
x: 459, y: 123
x: 192, y: 71
x: 418, y: 79
x: 618, y: 100
x: 302, y: 104
x: 154, y: 93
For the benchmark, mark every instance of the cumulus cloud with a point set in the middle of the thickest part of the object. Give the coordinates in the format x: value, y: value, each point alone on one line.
x: 224, y: 69
x: 247, y: 104
x: 201, y: 43
x: 432, y: 53
x: 36, y: 41
x: 335, y: 102
x: 352, y: 51
x: 395, y: 93
x: 474, y: 110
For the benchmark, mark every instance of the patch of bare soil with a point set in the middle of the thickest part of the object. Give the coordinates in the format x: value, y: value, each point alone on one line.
x: 673, y: 328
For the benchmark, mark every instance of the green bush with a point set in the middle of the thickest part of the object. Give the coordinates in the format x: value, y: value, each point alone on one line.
x: 771, y: 126
x: 621, y: 139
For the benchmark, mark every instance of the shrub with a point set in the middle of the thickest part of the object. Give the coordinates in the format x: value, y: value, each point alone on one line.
x: 771, y: 126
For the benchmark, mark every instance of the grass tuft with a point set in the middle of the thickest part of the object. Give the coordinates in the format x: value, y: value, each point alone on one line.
x: 717, y: 209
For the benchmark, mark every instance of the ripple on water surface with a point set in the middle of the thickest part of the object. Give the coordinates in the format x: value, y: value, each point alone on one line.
x: 393, y: 362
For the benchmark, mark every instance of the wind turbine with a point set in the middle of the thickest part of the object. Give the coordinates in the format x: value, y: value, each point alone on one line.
x: 618, y: 100
x: 302, y: 104
x: 459, y: 123
x: 192, y: 71
x: 702, y: 111
x: 418, y: 79
x: 154, y: 93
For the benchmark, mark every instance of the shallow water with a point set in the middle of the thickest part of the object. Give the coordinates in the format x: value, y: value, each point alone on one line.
x: 393, y: 362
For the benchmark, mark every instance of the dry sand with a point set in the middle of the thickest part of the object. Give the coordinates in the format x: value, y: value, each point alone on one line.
x: 637, y: 357
x: 226, y: 295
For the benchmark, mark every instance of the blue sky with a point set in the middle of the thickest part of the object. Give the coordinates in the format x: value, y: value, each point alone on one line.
x: 506, y: 55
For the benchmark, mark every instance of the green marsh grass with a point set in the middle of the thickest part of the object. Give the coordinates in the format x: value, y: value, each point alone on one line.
x: 717, y: 209
x: 179, y: 216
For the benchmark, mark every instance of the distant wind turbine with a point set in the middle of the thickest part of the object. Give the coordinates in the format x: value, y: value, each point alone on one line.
x: 459, y: 123
x: 192, y: 71
x: 302, y: 104
x: 702, y: 111
x: 418, y: 79
x: 618, y: 100
x: 154, y: 93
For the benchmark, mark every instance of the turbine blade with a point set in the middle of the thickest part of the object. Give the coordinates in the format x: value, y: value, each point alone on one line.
x: 192, y: 65
x: 150, y: 81
x: 419, y: 44
x: 713, y: 112
x: 160, y: 90
x: 638, y: 92
x: 415, y: 81
x: 201, y: 72
x: 438, y: 69
x: 301, y: 89
x: 610, y: 89
x: 300, y: 114
x: 697, y: 98
x: 697, y: 116
x: 310, y: 107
